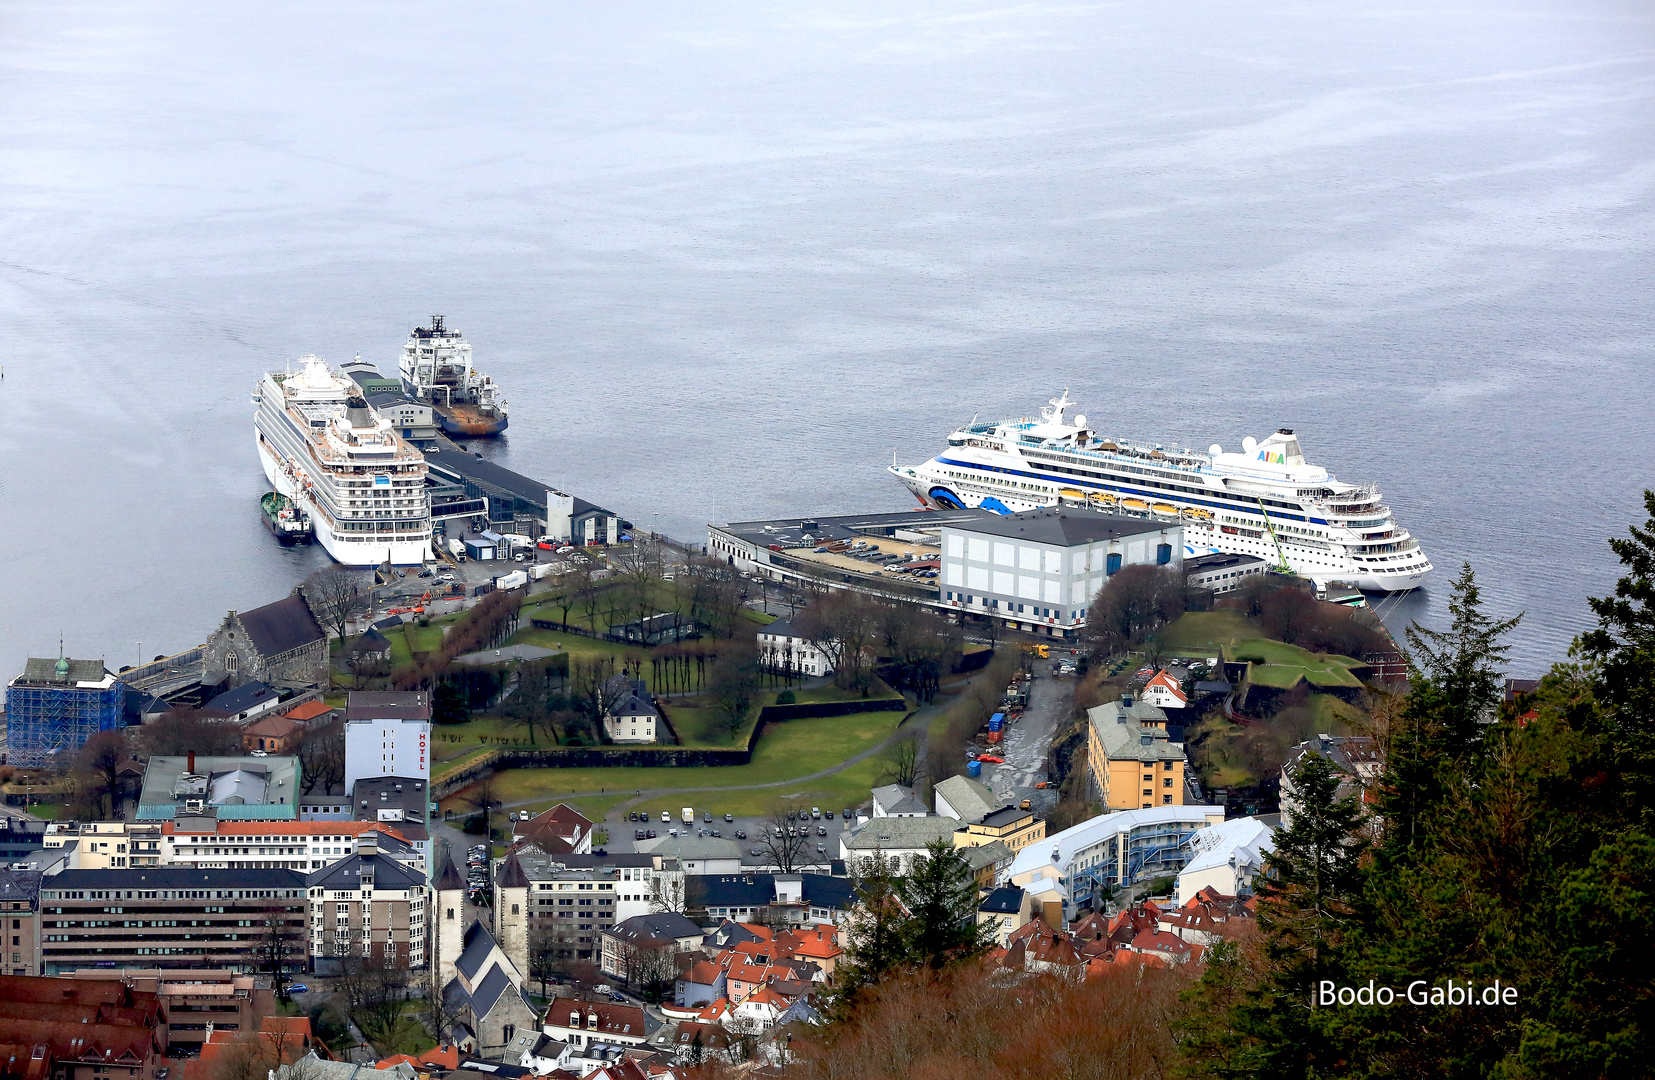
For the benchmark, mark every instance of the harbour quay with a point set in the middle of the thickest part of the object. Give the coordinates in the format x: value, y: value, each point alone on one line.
x: 469, y: 489
x: 1034, y: 571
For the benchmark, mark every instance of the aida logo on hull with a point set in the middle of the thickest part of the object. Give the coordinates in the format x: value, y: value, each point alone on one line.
x: 1274, y: 459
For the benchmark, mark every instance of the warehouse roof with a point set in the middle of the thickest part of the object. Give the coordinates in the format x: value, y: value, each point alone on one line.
x: 1062, y: 528
x: 450, y: 461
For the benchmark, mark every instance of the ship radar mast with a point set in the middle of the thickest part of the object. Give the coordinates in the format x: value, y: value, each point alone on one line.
x: 1054, y: 415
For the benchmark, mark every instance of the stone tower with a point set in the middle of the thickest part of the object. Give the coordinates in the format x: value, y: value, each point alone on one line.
x: 511, y: 911
x: 447, y: 918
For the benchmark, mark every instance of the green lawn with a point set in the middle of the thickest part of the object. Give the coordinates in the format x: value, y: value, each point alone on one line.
x: 1206, y: 632
x: 1284, y: 665
x: 795, y: 748
x: 449, y: 742
x: 828, y: 692
x: 577, y: 646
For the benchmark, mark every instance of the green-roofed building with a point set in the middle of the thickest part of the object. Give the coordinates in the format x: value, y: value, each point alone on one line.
x: 56, y: 705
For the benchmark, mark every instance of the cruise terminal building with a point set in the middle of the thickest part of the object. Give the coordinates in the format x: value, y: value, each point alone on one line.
x: 1035, y: 571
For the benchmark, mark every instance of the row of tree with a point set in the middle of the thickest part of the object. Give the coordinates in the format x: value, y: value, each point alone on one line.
x: 635, y: 588
x: 485, y: 626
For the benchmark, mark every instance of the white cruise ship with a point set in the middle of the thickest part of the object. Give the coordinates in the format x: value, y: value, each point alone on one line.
x: 362, y: 485
x: 1265, y: 501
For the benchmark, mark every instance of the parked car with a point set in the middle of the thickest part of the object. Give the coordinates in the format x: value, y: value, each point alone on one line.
x: 666, y: 815
x: 651, y: 835
x: 638, y: 834
x: 756, y: 851
x: 847, y: 814
x: 716, y: 834
x: 821, y: 830
x: 707, y: 816
x: 828, y: 814
x: 729, y: 817
x: 821, y: 849
x: 296, y: 988
x: 741, y: 834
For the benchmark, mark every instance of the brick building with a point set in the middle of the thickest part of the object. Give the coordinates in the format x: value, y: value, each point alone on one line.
x: 369, y: 904
x: 67, y: 1029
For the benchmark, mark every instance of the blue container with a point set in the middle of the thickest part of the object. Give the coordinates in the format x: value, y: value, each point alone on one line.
x: 997, y: 721
x: 974, y: 769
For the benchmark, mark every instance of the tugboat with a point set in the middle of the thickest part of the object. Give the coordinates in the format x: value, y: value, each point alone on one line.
x: 286, y: 521
x: 436, y: 368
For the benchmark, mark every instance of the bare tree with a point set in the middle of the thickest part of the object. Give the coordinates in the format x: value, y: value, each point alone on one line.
x: 843, y: 626
x: 667, y: 893
x: 900, y: 764
x: 280, y: 945
x: 734, y: 685
x: 321, y: 753
x: 920, y: 646
x: 374, y: 991
x: 786, y: 838
x: 435, y: 1015
x: 483, y: 798
x: 591, y: 602
x: 337, y: 595
x: 179, y: 731
x: 551, y: 952
x: 640, y: 568
x: 649, y: 967
x: 1135, y: 601
x: 97, y: 772
x: 593, y: 689
x: 568, y: 588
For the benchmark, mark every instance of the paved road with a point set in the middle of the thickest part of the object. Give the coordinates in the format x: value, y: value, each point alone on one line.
x: 1027, y: 741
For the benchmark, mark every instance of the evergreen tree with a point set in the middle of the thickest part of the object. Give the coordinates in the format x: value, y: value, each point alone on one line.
x: 1466, y: 662
x: 1622, y: 647
x: 941, y: 899
x: 1456, y: 688
x: 874, y: 941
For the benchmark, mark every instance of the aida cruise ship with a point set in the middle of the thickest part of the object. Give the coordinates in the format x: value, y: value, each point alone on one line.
x: 362, y: 485
x: 1265, y: 500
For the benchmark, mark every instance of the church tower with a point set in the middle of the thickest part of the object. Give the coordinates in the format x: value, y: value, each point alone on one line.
x: 447, y: 919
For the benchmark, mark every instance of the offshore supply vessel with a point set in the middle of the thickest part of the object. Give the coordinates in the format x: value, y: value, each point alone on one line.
x: 1266, y: 501
x: 436, y: 369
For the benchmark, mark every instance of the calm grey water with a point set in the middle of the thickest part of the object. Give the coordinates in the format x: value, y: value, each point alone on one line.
x: 729, y: 258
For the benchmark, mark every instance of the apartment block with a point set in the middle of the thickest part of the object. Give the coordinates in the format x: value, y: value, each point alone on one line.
x: 169, y: 917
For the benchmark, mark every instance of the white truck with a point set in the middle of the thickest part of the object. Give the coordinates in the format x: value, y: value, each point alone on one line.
x: 512, y: 580
x: 689, y: 815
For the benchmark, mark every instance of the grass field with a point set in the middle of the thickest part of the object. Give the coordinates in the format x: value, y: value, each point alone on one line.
x: 828, y: 692
x: 795, y: 748
x: 1206, y: 632
x: 1284, y: 665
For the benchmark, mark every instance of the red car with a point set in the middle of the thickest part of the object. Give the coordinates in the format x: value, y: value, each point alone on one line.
x: 991, y: 759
